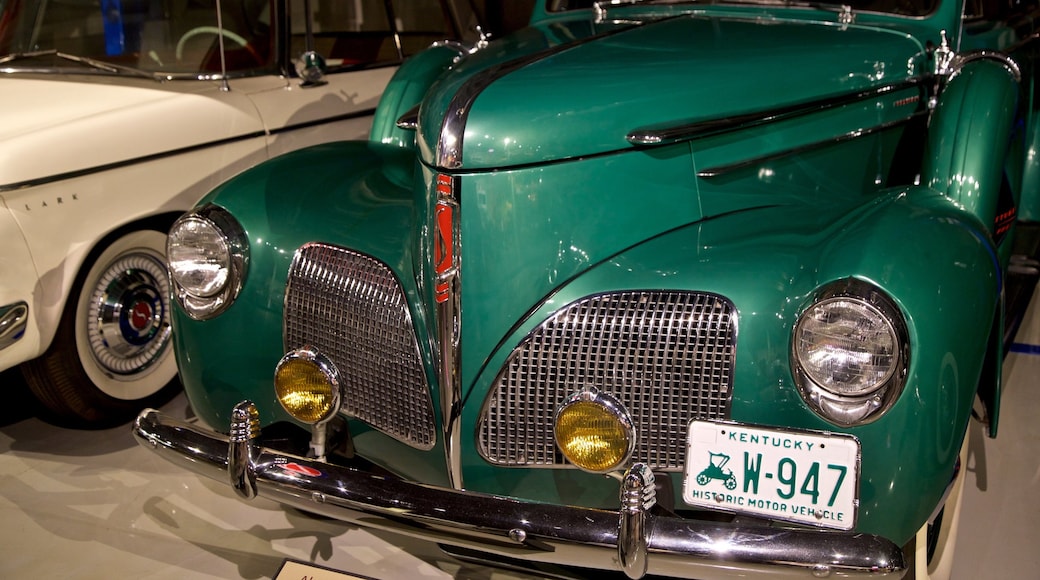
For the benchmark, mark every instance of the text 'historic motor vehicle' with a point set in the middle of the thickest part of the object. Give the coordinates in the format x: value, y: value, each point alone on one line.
x: 708, y: 290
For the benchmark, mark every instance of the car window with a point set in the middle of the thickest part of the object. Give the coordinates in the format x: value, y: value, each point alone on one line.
x: 357, y: 33
x: 166, y: 37
x: 999, y: 10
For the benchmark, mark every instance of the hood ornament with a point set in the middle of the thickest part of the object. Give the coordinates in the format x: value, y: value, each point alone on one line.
x: 943, y: 56
x: 483, y: 40
x: 845, y: 16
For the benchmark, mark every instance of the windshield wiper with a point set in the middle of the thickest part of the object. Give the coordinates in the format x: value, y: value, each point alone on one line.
x: 83, y: 60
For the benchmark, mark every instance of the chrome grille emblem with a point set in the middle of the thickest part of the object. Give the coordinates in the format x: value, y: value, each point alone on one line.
x: 446, y: 255
x: 444, y: 258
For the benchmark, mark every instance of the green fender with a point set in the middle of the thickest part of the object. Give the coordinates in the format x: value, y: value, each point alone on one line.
x: 768, y: 262
x: 364, y: 192
x: 969, y: 132
x: 407, y: 89
x: 965, y: 160
x: 1029, y: 204
x: 1028, y: 165
x: 945, y: 280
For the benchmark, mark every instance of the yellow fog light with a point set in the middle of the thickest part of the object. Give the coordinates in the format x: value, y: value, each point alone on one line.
x: 307, y: 385
x: 594, y: 431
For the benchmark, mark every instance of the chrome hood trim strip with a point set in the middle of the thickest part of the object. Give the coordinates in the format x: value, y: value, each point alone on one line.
x: 752, y: 161
x: 686, y: 130
x: 447, y: 260
x: 514, y: 528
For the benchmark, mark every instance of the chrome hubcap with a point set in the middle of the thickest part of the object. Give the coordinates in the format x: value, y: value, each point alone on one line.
x: 128, y: 320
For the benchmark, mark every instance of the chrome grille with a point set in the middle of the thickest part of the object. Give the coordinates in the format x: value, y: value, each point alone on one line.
x: 351, y: 308
x: 667, y: 356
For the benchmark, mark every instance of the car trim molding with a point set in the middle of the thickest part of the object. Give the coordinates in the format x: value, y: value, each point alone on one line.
x: 669, y: 133
x: 447, y: 258
x: 960, y: 60
x: 126, y: 162
x: 323, y: 121
x: 750, y: 162
x: 175, y: 152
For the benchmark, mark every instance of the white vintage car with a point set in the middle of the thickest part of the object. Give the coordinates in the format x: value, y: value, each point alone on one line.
x: 115, y: 117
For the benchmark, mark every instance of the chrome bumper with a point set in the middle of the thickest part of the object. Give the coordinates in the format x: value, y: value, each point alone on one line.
x: 630, y: 539
x: 13, y: 319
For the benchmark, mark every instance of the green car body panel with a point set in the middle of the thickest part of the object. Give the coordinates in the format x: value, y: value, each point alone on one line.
x: 751, y: 152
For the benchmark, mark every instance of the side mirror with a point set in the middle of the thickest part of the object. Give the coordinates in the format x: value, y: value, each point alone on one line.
x: 311, y: 68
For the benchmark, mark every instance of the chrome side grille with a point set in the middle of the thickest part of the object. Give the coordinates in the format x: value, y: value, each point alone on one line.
x: 667, y: 356
x: 351, y: 308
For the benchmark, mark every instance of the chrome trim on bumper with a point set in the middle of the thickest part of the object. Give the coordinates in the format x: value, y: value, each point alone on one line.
x: 13, y: 319
x: 509, y: 527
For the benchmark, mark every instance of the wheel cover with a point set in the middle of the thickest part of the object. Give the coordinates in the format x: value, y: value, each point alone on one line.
x: 128, y: 318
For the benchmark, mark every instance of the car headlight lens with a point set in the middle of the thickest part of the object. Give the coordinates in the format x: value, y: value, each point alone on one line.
x: 307, y: 385
x: 206, y: 252
x: 594, y: 431
x: 849, y: 351
x: 198, y: 255
x: 846, y: 346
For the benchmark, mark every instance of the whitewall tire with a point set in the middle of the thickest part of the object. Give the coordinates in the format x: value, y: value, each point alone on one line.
x: 112, y: 354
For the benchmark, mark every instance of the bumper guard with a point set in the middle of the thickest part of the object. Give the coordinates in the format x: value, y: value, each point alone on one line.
x: 631, y: 539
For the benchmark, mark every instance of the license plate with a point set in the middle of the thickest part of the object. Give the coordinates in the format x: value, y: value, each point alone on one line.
x: 797, y: 476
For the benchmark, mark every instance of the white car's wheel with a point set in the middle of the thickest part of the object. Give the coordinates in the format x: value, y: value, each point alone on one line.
x: 112, y: 354
x: 933, y: 547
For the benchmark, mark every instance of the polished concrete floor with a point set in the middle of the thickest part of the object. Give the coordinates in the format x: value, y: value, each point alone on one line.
x: 91, y: 504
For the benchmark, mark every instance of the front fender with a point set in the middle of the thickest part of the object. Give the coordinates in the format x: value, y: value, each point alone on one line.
x: 406, y: 90
x: 358, y: 194
x: 932, y: 257
x: 968, y: 136
x: 17, y: 286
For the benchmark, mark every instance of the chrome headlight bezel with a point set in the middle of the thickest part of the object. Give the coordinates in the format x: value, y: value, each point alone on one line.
x: 233, y: 249
x: 849, y: 406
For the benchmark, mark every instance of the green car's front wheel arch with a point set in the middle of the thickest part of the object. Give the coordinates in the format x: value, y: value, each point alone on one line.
x: 111, y: 355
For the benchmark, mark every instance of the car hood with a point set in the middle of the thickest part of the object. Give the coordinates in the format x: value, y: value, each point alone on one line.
x: 54, y: 126
x: 583, y: 87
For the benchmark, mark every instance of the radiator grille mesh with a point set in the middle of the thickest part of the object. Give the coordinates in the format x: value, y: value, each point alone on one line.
x: 351, y: 308
x: 667, y: 356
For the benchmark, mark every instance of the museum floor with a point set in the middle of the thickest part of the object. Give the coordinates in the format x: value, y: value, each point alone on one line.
x: 91, y: 504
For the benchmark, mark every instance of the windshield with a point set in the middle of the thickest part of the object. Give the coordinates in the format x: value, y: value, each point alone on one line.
x: 168, y: 37
x: 901, y: 7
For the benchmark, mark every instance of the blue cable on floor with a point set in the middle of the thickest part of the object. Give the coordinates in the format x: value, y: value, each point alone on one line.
x: 1025, y: 348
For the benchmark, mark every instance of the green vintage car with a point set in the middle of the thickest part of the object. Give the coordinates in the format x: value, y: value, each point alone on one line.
x: 699, y: 289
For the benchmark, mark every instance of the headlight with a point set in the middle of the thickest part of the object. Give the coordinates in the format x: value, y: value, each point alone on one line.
x: 307, y: 385
x: 850, y: 353
x: 199, y: 257
x: 594, y: 431
x: 206, y: 252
